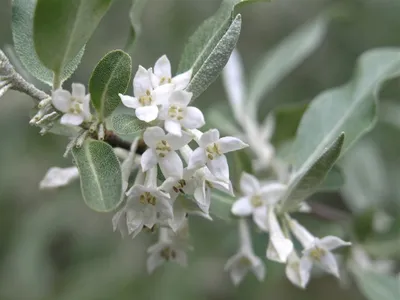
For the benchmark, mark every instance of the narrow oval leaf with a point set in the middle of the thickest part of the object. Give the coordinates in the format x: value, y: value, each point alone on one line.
x: 128, y: 125
x: 22, y: 30
x: 221, y: 205
x: 334, y: 180
x: 350, y: 108
x: 377, y: 286
x: 136, y: 27
x: 216, y: 60
x: 61, y: 28
x: 305, y: 184
x: 110, y: 77
x: 101, y: 176
x: 284, y: 58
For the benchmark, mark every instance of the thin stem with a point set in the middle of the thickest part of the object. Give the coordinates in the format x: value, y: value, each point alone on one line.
x: 56, y: 81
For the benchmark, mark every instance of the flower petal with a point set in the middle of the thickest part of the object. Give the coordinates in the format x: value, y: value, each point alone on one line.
x: 197, y: 159
x: 171, y: 165
x: 86, y: 108
x: 305, y: 267
x: 78, y: 90
x: 181, y: 81
x: 154, y: 261
x: 58, y: 177
x: 152, y: 135
x: 249, y: 184
x: 173, y: 127
x: 177, y: 142
x: 242, y: 207
x: 147, y: 113
x: 162, y: 67
x: 61, y: 100
x: 329, y: 264
x: 142, y: 82
x: 272, y: 192
x: 258, y: 268
x: 279, y: 248
x: 148, y: 160
x: 162, y: 94
x: 228, y: 144
x: 208, y: 137
x: 219, y: 167
x: 332, y: 242
x: 180, y: 98
x: 129, y: 101
x: 260, y: 218
x: 238, y: 273
x: 71, y: 119
x: 292, y: 271
x: 193, y: 118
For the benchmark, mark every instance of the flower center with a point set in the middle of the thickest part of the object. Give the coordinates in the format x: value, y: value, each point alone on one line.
x: 245, y: 261
x: 146, y: 100
x: 256, y: 201
x: 164, y: 80
x: 147, y: 198
x: 175, y: 112
x: 179, y: 186
x: 317, y: 253
x: 162, y: 148
x: 212, y: 151
x: 76, y: 106
x: 167, y: 253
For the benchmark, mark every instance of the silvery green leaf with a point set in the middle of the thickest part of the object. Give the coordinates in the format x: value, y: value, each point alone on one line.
x: 101, y: 176
x: 305, y: 183
x: 216, y: 59
x: 22, y: 30
x: 125, y: 124
x: 221, y: 205
x: 110, y: 77
x: 377, y: 286
x: 135, y: 31
x: 61, y: 28
x: 284, y: 58
x: 218, y: 116
x: 334, y: 180
x: 350, y: 108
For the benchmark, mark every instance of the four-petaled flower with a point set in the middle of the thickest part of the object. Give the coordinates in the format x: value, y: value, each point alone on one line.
x: 177, y: 113
x: 75, y: 106
x: 162, y: 75
x: 211, y: 151
x: 162, y: 151
x: 146, y: 100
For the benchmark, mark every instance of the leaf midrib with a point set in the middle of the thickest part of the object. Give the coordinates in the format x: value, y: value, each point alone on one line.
x: 96, y: 177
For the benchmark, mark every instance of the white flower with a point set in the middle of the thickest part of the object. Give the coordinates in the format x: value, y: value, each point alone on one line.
x: 211, y: 152
x: 75, y: 107
x: 316, y: 251
x: 245, y: 260
x: 293, y: 271
x: 162, y: 150
x: 162, y: 75
x: 256, y: 199
x: 146, y: 101
x: 58, y: 177
x: 279, y: 246
x: 177, y: 113
x: 170, y: 247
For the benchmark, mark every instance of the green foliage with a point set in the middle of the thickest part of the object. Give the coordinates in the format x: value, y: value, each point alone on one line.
x: 216, y: 59
x: 284, y: 58
x: 22, y: 29
x: 125, y: 124
x: 377, y: 286
x: 101, y: 177
x: 221, y: 204
x: 110, y: 77
x: 62, y: 28
x: 136, y: 27
x: 334, y: 180
x: 306, y: 183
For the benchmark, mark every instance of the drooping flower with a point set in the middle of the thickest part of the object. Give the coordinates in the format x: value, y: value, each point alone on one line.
x: 211, y: 152
x: 162, y: 150
x: 256, y: 198
x: 146, y: 100
x: 162, y: 75
x: 292, y: 271
x: 59, y: 177
x: 245, y: 260
x: 178, y: 114
x: 75, y: 106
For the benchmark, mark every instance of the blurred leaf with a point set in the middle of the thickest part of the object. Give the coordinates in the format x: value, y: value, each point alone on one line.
x: 100, y: 173
x: 216, y: 59
x: 334, y: 180
x: 110, y: 77
x: 218, y: 116
x: 221, y: 204
x: 128, y: 125
x: 61, y: 28
x: 284, y: 58
x: 307, y: 182
x: 377, y: 286
x: 366, y: 184
x: 383, y: 248
x: 136, y: 27
x: 350, y: 108
x: 239, y: 162
x: 22, y: 29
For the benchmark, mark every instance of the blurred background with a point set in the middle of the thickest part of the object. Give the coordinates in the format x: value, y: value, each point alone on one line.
x: 52, y: 246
